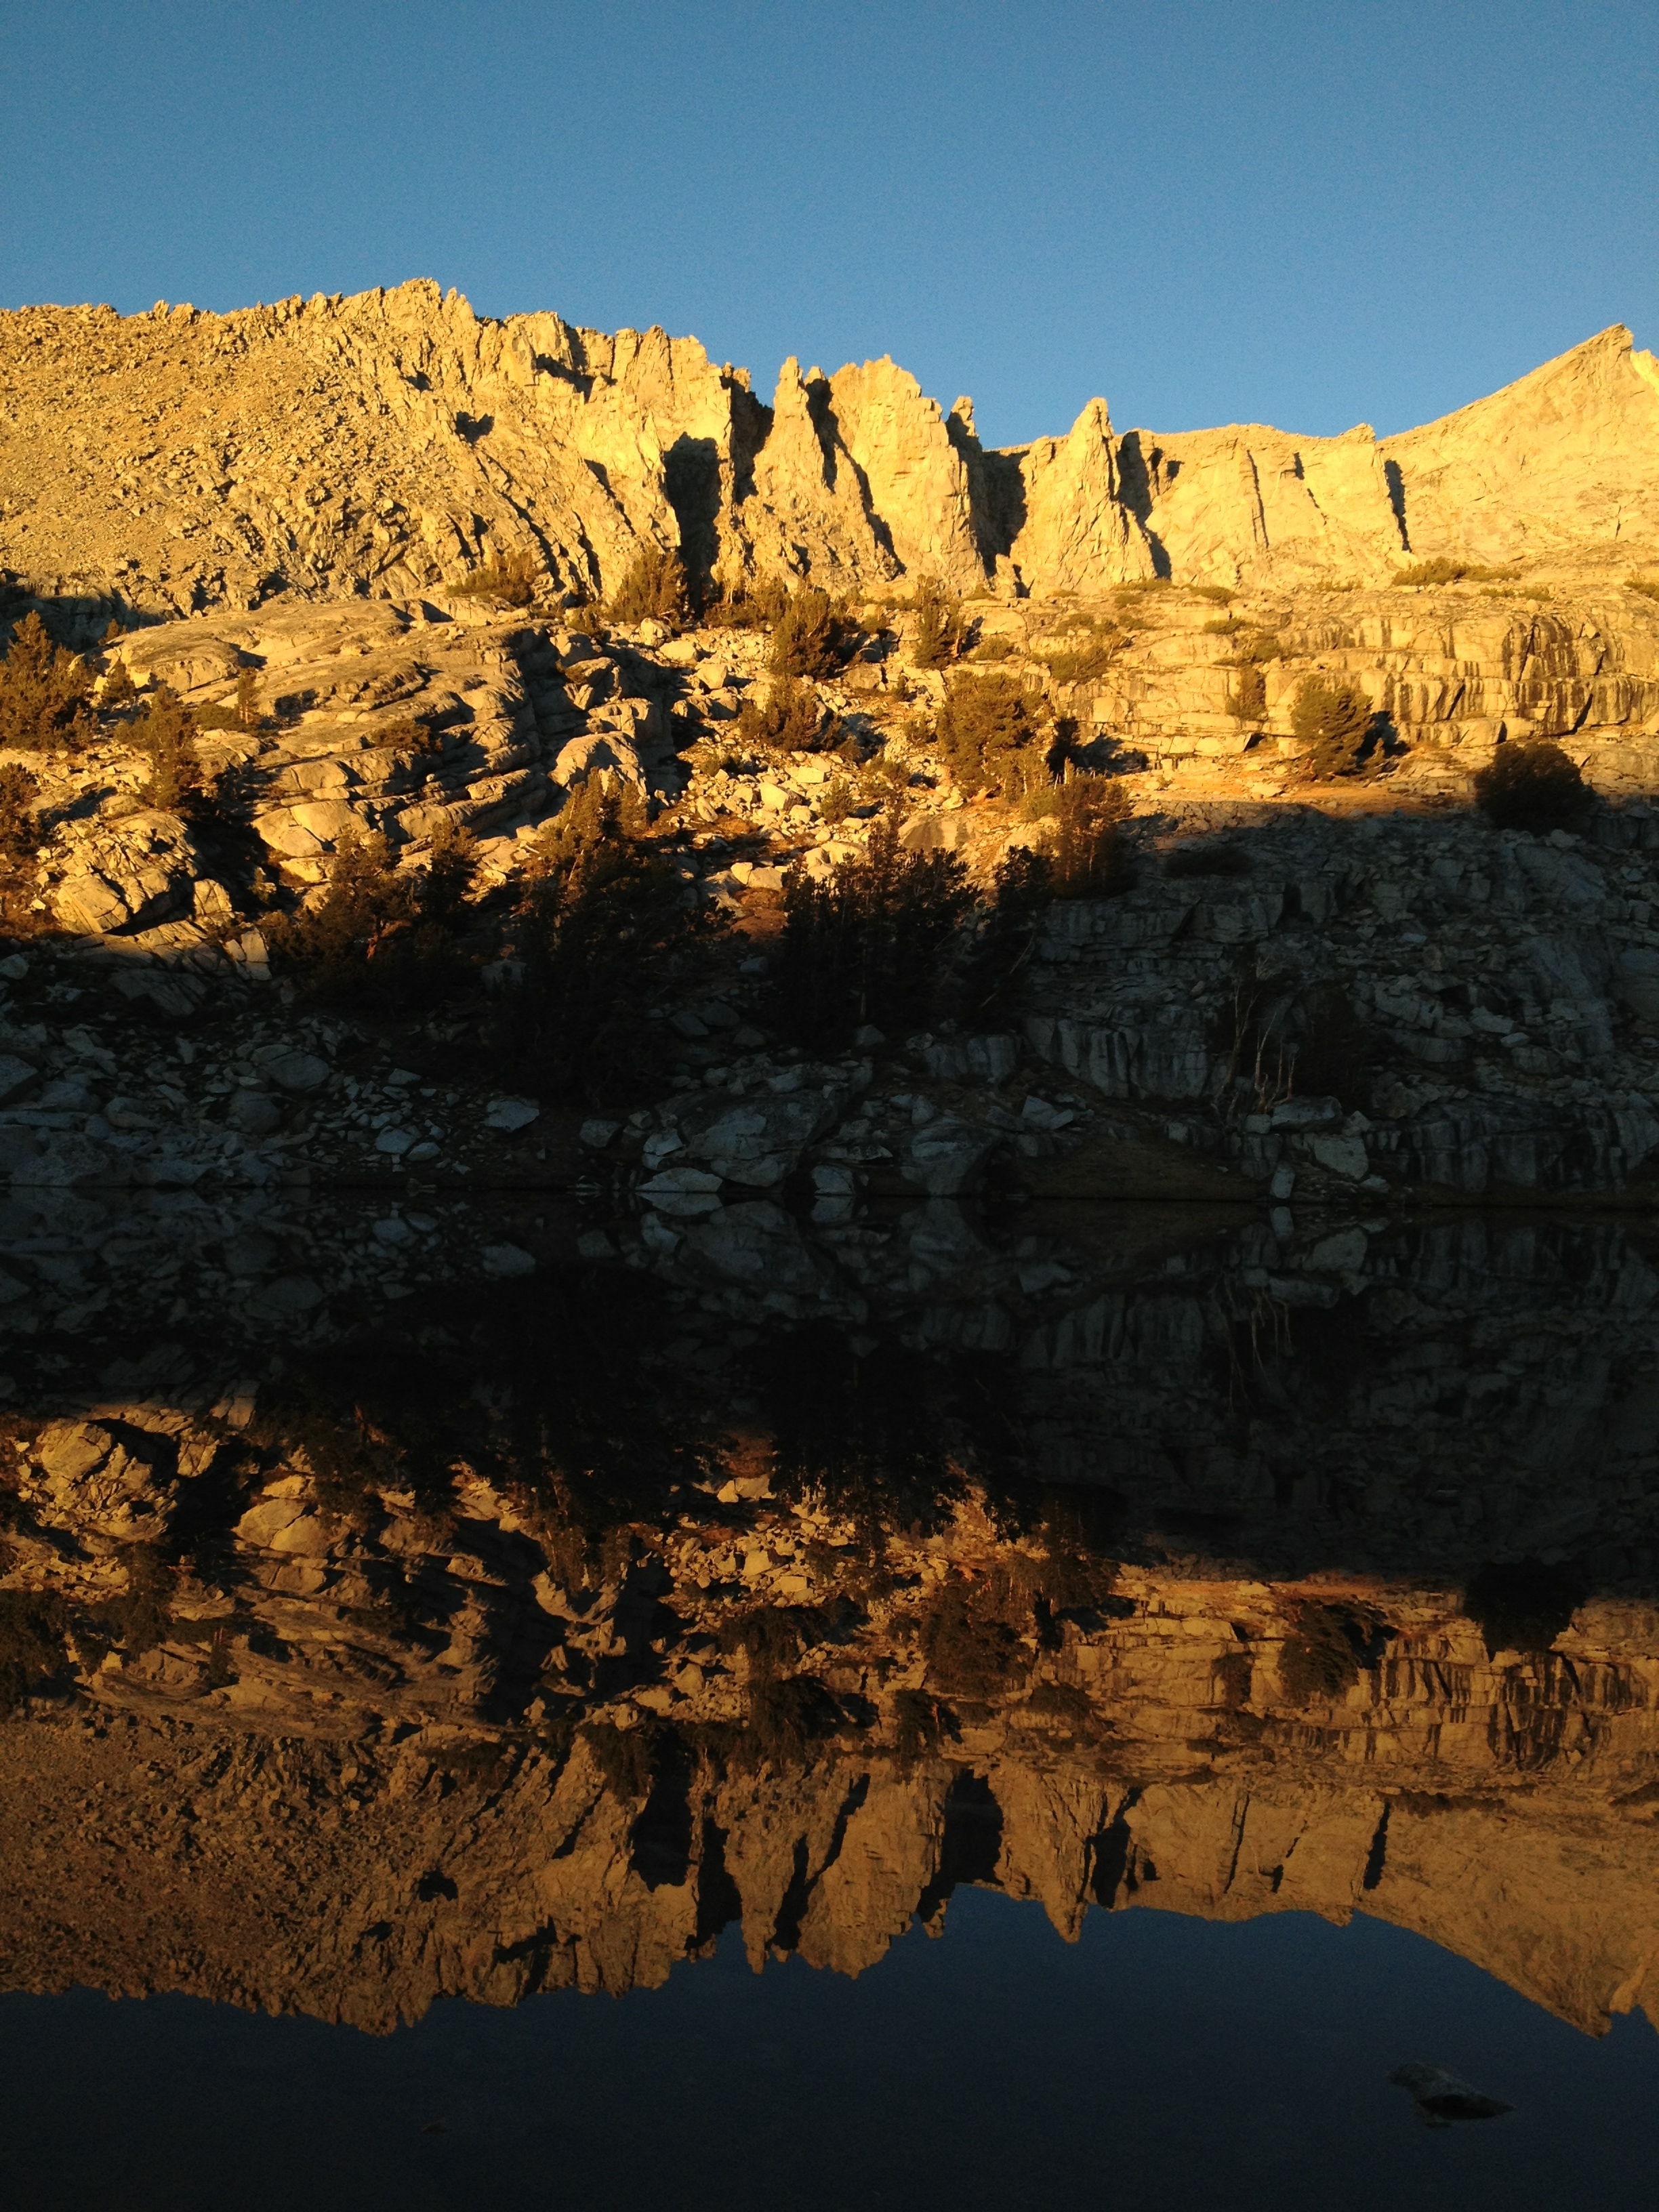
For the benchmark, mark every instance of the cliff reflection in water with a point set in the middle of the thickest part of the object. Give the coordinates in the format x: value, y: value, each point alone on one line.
x: 502, y: 1630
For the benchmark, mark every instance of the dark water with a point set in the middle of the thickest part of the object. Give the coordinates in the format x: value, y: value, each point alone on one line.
x: 1158, y: 2059
x: 1198, y: 1575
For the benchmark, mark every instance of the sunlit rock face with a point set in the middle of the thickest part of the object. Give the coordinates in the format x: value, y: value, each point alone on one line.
x: 390, y: 442
x: 525, y: 1635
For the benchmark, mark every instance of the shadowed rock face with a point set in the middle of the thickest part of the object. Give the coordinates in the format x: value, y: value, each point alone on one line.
x: 391, y: 442
x: 531, y: 1640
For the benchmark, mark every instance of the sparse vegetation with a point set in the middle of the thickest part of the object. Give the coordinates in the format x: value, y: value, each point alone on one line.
x: 1085, y: 852
x: 1533, y: 786
x: 1083, y: 658
x: 808, y: 634
x: 938, y: 626
x: 838, y: 800
x: 1648, y: 586
x: 1255, y: 648
x: 1334, y: 723
x: 990, y: 650
x: 378, y: 934
x: 746, y: 607
x: 20, y: 834
x: 1445, y: 569
x: 1249, y: 702
x: 1326, y: 1649
x: 511, y: 577
x: 654, y: 589
x: 164, y: 731
x: 790, y: 719
x: 990, y: 731
x: 45, y: 693
x: 868, y: 943
x: 601, y: 930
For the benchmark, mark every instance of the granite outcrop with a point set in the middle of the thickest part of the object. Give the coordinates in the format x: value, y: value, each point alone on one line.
x: 393, y: 442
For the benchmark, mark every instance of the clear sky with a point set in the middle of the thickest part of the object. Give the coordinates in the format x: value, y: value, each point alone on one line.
x: 1256, y: 210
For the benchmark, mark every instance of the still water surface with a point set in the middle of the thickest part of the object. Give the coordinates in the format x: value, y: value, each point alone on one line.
x: 1159, y: 2059
x: 439, y: 1709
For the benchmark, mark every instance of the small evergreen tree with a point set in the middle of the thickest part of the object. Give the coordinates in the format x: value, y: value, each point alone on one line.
x: 939, y: 625
x: 790, y: 720
x: 20, y: 834
x: 1022, y: 891
x: 380, y: 934
x: 654, y: 589
x: 1334, y: 722
x: 601, y: 929
x: 43, y: 693
x: 807, y: 635
x: 990, y: 731
x: 868, y: 943
x: 1086, y: 850
x: 166, y: 731
x: 1533, y: 786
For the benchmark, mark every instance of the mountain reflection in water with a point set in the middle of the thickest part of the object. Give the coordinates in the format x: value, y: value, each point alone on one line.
x: 383, y: 1621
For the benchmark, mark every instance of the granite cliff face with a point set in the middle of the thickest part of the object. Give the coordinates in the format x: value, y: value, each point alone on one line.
x: 390, y: 442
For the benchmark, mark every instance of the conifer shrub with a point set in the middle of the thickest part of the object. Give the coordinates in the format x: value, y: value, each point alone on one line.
x: 511, y: 577
x: 990, y: 650
x: 808, y: 634
x: 745, y: 606
x: 602, y: 930
x: 1648, y: 586
x: 164, y: 731
x: 991, y: 731
x: 939, y: 625
x: 380, y: 935
x: 790, y: 719
x: 920, y: 1721
x: 972, y: 1650
x: 838, y: 801
x: 241, y: 713
x: 1255, y: 648
x: 1022, y: 891
x: 1086, y: 851
x: 787, y: 1720
x: 19, y: 835
x: 45, y: 693
x: 868, y: 943
x: 1337, y: 1048
x: 1334, y: 723
x: 32, y: 1626
x: 1085, y: 653
x: 1445, y: 569
x: 118, y: 691
x: 1248, y: 701
x: 654, y: 589
x: 1326, y: 1648
x: 1533, y: 786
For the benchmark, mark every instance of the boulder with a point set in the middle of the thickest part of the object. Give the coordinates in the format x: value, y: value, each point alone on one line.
x: 109, y: 1480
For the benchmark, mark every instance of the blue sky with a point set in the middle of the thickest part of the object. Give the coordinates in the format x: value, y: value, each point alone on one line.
x: 1310, y: 215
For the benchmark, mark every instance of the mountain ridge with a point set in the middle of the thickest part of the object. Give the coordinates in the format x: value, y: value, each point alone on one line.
x: 156, y: 460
